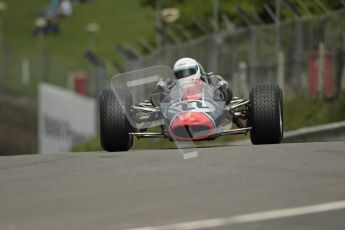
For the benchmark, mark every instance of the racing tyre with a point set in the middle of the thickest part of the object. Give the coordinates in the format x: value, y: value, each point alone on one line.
x: 266, y: 114
x: 114, y: 126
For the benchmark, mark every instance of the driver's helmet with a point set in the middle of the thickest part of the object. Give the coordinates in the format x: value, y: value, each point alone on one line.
x: 187, y: 68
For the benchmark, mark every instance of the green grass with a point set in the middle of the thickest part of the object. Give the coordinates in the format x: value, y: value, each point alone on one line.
x: 306, y: 111
x: 121, y: 21
x: 299, y: 112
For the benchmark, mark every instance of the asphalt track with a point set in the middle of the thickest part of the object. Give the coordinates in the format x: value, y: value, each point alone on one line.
x: 271, y: 187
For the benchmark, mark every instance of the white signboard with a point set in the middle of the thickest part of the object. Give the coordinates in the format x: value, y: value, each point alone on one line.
x: 65, y: 119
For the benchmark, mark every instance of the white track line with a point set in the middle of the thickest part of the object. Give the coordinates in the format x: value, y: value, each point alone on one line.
x: 252, y: 217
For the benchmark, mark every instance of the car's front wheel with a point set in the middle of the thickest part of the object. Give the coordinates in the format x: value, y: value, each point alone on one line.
x: 266, y: 114
x: 114, y: 126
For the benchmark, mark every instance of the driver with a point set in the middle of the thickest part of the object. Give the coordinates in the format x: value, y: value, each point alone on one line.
x: 188, y: 69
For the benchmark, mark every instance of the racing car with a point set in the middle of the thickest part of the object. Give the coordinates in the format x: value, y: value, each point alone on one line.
x: 189, y: 111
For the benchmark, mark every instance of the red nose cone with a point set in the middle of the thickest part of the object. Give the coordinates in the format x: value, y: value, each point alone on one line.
x: 192, y: 126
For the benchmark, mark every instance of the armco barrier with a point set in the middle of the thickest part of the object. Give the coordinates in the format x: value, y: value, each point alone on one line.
x: 328, y: 132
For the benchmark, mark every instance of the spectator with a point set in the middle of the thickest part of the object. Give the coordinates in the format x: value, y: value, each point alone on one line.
x: 54, y: 6
x: 66, y: 8
x: 52, y: 17
x: 40, y: 26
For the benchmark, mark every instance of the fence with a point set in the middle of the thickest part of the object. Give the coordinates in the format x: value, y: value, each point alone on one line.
x: 21, y: 73
x: 311, y: 57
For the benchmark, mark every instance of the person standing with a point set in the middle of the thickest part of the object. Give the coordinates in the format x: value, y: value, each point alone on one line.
x: 52, y: 16
x: 66, y: 8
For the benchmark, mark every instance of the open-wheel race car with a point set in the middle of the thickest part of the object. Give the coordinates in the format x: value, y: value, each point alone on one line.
x: 191, y: 110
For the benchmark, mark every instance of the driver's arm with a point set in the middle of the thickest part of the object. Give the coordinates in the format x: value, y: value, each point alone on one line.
x: 163, y: 87
x: 223, y: 86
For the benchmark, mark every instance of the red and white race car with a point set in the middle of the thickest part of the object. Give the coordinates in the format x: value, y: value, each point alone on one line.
x: 190, y: 111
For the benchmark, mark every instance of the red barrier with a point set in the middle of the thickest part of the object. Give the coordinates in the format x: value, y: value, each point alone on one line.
x: 313, y: 70
x: 80, y: 83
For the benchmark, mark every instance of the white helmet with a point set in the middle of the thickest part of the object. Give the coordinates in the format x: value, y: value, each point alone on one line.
x: 187, y: 67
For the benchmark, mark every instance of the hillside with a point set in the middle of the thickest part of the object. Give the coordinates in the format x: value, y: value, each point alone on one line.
x: 121, y: 21
x: 54, y: 56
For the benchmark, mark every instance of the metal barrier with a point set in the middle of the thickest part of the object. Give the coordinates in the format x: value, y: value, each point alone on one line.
x: 328, y: 132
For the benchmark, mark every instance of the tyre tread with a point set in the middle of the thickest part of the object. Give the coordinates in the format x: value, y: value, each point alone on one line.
x: 264, y: 115
x: 114, y: 125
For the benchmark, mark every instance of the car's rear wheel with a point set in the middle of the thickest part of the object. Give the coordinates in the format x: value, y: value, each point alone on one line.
x: 114, y: 126
x: 266, y: 114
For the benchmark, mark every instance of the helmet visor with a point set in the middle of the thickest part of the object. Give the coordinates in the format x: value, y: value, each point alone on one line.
x: 182, y: 73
